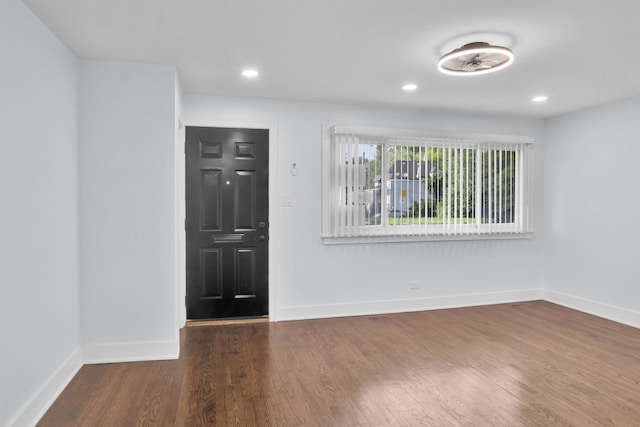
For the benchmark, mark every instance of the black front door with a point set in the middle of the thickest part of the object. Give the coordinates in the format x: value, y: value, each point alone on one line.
x: 227, y: 192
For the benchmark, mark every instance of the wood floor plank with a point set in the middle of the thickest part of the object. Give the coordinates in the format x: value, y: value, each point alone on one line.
x: 524, y: 364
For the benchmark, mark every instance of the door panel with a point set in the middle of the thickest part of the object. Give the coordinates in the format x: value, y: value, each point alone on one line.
x: 227, y: 222
x: 244, y: 201
x: 210, y: 195
x: 245, y: 282
x: 211, y: 273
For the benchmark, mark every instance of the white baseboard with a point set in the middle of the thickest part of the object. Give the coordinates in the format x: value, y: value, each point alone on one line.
x: 36, y: 406
x: 131, y: 352
x: 606, y: 311
x: 611, y: 312
x: 406, y: 305
x: 40, y: 401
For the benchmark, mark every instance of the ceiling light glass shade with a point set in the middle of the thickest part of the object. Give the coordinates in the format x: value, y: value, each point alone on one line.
x: 250, y: 73
x: 474, y: 59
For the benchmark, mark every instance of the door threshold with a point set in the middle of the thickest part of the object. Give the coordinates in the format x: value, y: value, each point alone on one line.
x: 227, y: 321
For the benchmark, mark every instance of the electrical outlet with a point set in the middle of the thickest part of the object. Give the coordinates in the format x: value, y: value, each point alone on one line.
x: 414, y: 284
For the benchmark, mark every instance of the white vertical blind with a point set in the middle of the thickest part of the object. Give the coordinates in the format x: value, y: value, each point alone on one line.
x: 424, y: 186
x: 351, y: 225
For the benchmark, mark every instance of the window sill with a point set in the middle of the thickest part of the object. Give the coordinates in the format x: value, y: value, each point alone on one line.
x: 433, y: 238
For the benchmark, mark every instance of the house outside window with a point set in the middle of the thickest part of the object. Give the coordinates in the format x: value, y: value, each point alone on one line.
x: 399, y: 185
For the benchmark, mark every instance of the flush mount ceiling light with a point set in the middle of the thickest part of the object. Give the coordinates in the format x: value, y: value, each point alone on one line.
x: 250, y: 73
x: 474, y: 59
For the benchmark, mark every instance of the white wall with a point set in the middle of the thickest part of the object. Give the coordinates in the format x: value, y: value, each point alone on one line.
x: 39, y: 311
x: 313, y: 277
x: 127, y: 140
x: 592, y: 187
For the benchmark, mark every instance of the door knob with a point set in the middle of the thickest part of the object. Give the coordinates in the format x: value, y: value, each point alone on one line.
x: 261, y: 238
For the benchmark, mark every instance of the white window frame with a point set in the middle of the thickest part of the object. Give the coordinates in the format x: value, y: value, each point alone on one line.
x: 338, y: 230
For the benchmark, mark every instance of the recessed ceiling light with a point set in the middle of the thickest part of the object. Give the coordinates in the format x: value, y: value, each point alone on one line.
x: 474, y: 59
x: 409, y: 87
x: 540, y: 98
x: 250, y: 73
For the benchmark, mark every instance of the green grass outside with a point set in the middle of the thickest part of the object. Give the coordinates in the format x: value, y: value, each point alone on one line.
x: 428, y: 220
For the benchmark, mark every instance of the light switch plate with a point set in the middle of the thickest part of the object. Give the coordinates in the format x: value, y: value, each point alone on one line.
x: 286, y: 200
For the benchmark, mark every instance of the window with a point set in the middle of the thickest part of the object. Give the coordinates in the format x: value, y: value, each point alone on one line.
x: 399, y: 185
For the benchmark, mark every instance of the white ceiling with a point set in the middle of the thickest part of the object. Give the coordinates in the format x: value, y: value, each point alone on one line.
x: 579, y: 53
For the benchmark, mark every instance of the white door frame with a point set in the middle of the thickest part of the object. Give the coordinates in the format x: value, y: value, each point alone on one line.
x: 181, y: 239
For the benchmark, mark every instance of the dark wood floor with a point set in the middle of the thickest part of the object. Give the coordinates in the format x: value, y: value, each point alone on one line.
x: 527, y: 364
